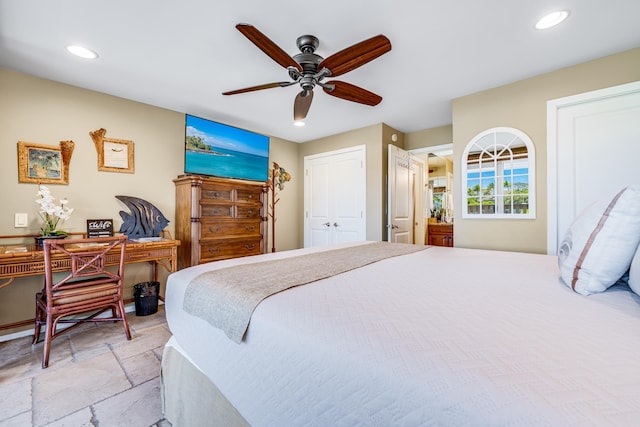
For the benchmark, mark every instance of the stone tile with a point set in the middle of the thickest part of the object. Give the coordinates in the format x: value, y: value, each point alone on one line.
x: 21, y: 368
x: 82, y: 418
x: 146, y: 340
x: 158, y: 352
x: 30, y: 364
x: 139, y: 406
x: 14, y: 349
x: 139, y: 323
x: 21, y: 420
x: 62, y: 391
x: 142, y: 367
x: 84, y: 371
x: 15, y: 398
x: 96, y: 341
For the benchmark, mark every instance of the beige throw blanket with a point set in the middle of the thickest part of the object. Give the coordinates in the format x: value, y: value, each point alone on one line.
x: 226, y: 298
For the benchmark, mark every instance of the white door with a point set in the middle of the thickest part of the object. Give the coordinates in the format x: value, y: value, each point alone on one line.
x: 593, y: 151
x: 419, y: 234
x: 400, y: 196
x: 335, y: 186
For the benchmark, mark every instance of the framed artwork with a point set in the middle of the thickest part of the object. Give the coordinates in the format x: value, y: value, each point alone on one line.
x: 44, y: 164
x: 114, y: 155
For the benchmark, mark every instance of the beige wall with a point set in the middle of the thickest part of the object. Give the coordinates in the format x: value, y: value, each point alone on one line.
x: 46, y: 112
x: 369, y: 136
x: 376, y: 138
x: 288, y: 219
x: 429, y: 137
x: 523, y: 105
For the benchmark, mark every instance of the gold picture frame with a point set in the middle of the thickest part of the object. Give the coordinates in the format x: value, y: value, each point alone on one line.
x: 114, y: 155
x: 44, y: 164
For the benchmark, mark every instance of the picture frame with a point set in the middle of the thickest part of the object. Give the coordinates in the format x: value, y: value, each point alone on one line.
x: 44, y: 164
x: 114, y: 155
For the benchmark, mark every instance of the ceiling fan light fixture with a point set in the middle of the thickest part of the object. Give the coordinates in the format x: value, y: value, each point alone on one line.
x: 552, y: 19
x: 307, y: 69
x: 82, y: 52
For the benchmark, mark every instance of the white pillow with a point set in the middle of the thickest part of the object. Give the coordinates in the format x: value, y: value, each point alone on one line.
x: 634, y: 273
x: 600, y: 244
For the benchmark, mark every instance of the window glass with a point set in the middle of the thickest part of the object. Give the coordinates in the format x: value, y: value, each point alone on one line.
x: 498, y: 172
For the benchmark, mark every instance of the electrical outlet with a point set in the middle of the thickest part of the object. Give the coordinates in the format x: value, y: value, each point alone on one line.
x: 21, y: 220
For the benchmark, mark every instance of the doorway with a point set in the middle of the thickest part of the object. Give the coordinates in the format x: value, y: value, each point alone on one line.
x: 438, y: 184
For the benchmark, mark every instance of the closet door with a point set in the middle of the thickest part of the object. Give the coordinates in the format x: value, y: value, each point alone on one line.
x: 335, y: 197
x: 593, y: 151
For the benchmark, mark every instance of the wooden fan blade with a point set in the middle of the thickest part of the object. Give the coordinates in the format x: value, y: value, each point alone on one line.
x: 267, y: 46
x: 357, y: 55
x: 302, y: 104
x: 259, y: 87
x: 352, y: 93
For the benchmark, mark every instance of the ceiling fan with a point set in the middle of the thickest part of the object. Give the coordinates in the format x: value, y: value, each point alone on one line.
x: 309, y: 69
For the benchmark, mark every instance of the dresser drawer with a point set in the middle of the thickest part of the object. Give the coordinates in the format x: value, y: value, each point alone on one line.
x: 216, y: 193
x: 217, y: 211
x: 248, y: 195
x: 248, y: 211
x: 217, y: 229
x: 229, y: 248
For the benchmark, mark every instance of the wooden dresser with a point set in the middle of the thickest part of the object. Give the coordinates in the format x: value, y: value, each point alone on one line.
x: 440, y: 234
x: 218, y: 218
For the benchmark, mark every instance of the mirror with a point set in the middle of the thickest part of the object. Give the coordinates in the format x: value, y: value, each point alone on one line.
x: 439, y: 188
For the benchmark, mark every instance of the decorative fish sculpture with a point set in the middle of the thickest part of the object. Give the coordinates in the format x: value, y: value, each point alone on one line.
x: 145, y: 220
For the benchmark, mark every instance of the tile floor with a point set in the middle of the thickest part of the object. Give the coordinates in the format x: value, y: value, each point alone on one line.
x: 95, y: 377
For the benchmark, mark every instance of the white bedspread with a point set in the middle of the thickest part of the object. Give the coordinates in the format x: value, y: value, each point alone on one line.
x: 447, y: 336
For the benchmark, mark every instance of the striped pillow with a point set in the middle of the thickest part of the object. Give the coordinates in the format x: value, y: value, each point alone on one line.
x: 600, y: 244
x: 634, y: 273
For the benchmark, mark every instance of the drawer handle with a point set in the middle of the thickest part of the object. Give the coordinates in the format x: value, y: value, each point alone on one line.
x: 250, y: 228
x: 249, y: 212
x: 214, y: 251
x: 250, y: 247
x: 214, y: 231
x: 216, y: 194
x: 250, y: 196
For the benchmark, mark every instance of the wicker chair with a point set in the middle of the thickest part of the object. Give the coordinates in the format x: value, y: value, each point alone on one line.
x: 85, y: 293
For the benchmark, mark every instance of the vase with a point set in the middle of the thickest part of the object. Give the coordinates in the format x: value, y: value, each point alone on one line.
x: 40, y: 240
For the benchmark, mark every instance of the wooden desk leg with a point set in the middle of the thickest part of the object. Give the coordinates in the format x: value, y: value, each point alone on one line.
x: 155, y: 271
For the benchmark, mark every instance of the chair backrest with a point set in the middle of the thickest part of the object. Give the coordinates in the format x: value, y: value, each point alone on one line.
x: 89, y: 259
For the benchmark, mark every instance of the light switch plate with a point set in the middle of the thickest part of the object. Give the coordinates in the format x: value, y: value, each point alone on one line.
x: 21, y: 220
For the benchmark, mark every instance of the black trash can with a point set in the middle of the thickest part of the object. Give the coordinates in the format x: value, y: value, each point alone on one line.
x: 146, y: 297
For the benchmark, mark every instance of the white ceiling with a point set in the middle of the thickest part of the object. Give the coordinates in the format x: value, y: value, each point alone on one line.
x: 181, y: 55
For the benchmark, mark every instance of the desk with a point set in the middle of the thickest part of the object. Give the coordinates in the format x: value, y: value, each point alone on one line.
x: 162, y: 253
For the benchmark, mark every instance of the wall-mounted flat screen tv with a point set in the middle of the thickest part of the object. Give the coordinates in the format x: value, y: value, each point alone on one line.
x: 216, y: 149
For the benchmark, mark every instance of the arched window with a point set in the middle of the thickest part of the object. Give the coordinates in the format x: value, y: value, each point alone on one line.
x: 498, y: 175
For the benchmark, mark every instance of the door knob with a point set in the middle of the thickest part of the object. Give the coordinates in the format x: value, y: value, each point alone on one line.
x: 327, y: 224
x: 335, y: 224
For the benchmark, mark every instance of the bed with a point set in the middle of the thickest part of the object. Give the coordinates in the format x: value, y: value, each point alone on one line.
x: 439, y: 336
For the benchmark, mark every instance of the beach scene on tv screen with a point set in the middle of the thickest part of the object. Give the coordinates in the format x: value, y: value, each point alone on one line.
x: 216, y: 149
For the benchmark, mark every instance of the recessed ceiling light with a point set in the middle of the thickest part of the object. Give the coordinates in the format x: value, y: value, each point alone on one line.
x: 298, y: 123
x: 552, y: 19
x: 82, y: 52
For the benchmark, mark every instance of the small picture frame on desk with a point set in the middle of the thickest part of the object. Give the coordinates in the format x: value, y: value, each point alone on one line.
x: 99, y: 228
